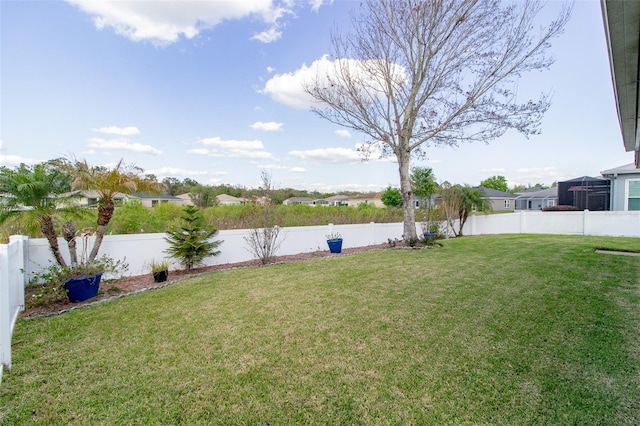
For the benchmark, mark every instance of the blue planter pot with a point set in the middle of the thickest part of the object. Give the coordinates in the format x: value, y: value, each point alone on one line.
x: 83, y: 288
x: 335, y: 246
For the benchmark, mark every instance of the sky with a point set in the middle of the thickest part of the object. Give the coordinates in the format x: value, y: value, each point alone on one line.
x: 210, y: 91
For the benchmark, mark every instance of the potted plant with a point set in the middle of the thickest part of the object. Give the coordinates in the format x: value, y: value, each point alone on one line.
x: 334, y: 241
x: 80, y: 281
x: 160, y: 270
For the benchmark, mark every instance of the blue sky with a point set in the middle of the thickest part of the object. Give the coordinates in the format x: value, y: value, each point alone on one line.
x: 210, y: 90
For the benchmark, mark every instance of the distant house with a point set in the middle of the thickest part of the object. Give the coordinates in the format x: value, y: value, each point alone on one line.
x: 336, y: 200
x: 186, y: 199
x: 537, y: 199
x: 500, y: 201
x: 624, y: 187
x: 226, y: 200
x: 374, y: 199
x: 153, y: 200
x: 91, y: 198
x: 584, y: 193
x: 299, y: 200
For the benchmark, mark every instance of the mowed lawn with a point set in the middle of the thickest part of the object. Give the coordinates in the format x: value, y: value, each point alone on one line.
x: 484, y: 330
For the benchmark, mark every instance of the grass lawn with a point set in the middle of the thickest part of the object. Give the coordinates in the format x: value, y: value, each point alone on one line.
x: 485, y: 330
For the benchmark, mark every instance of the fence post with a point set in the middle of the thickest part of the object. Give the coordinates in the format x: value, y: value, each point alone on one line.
x: 522, y: 221
x: 585, y: 222
x: 372, y: 233
x: 5, y: 311
x: 19, y: 264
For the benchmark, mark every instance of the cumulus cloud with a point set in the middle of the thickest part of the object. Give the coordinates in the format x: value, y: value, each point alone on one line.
x: 371, y: 152
x: 163, y: 172
x: 288, y: 88
x: 123, y: 145
x: 165, y: 22
x: 217, y: 147
x: 16, y: 160
x: 328, y: 155
x: 120, y: 131
x: 268, y: 36
x: 315, y: 4
x: 270, y: 126
x: 343, y: 133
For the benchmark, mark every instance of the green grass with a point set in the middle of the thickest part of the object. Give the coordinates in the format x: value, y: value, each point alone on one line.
x: 485, y: 330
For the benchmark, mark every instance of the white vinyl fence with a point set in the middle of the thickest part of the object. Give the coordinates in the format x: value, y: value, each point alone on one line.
x: 23, y: 257
x: 12, y: 261
x: 609, y: 223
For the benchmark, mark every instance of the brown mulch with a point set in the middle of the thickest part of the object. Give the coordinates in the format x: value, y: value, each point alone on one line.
x: 130, y: 286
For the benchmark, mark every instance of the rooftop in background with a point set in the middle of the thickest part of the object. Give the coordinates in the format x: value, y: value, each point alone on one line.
x: 626, y: 169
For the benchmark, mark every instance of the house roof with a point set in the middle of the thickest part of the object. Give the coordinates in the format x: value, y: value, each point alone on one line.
x: 621, y: 170
x: 299, y: 200
x: 146, y: 195
x: 373, y: 196
x: 494, y: 193
x: 337, y: 198
x: 582, y: 179
x: 229, y: 198
x: 622, y: 26
x: 540, y: 193
x: 95, y: 194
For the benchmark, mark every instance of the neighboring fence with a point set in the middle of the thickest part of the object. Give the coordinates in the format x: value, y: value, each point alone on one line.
x: 608, y: 223
x: 12, y: 262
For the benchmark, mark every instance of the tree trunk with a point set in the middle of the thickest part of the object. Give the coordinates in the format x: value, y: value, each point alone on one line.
x: 69, y: 234
x: 105, y: 212
x: 49, y: 231
x: 409, y: 229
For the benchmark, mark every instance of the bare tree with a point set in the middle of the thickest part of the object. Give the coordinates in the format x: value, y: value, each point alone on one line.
x: 264, y: 236
x: 416, y: 73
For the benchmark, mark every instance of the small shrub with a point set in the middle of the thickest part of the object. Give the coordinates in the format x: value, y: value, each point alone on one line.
x: 190, y: 243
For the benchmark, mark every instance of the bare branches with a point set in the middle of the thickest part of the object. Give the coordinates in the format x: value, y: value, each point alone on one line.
x: 436, y: 72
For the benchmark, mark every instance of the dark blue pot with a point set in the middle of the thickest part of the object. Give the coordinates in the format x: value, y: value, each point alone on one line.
x: 335, y: 246
x: 83, y: 288
x: 160, y: 276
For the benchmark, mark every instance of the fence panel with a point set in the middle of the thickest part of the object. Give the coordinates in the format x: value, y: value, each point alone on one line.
x: 12, y: 262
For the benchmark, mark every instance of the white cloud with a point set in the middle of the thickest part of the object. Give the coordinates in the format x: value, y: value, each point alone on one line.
x: 216, y: 147
x: 288, y: 88
x: 16, y: 160
x: 329, y: 155
x: 315, y: 4
x: 123, y: 145
x: 370, y: 152
x: 298, y: 170
x: 268, y: 36
x: 270, y: 126
x: 533, y: 175
x: 164, y: 22
x: 120, y: 131
x: 343, y: 133
x: 163, y: 172
x: 271, y: 70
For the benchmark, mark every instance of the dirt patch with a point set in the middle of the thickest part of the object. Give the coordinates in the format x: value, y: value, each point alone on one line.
x: 136, y: 284
x: 618, y: 253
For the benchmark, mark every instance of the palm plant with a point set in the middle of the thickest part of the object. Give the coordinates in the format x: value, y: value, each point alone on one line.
x: 107, y: 182
x: 470, y: 199
x: 33, y: 197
